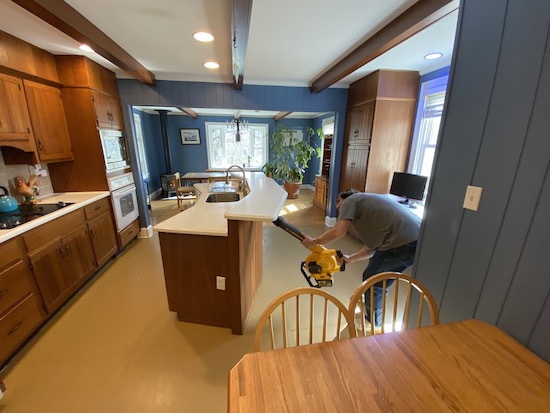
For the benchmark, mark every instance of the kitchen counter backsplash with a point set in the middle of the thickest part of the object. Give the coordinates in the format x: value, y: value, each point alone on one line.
x: 9, y: 172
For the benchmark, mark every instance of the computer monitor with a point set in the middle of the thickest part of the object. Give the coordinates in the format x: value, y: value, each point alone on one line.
x: 408, y: 186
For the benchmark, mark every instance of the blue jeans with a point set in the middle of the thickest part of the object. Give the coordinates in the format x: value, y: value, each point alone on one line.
x: 397, y: 260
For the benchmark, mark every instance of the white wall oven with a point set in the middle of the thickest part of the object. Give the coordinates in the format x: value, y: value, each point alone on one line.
x: 123, y: 195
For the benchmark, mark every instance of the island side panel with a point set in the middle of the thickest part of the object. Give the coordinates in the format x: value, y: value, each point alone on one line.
x: 245, y: 268
x: 191, y: 264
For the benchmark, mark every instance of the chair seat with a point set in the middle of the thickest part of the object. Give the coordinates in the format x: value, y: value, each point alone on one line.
x: 185, y: 189
x: 184, y: 192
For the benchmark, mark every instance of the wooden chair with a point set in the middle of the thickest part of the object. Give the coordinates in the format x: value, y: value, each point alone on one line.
x: 405, y: 297
x: 302, y: 316
x: 182, y: 192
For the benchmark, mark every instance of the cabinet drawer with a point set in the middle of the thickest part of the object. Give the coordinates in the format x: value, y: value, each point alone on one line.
x: 10, y: 253
x: 97, y: 208
x: 128, y: 233
x: 59, y: 227
x: 16, y: 325
x: 14, y: 285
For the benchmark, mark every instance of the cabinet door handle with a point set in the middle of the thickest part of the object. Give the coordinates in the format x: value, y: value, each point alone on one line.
x: 40, y: 144
x: 355, y: 133
x: 15, y: 328
x: 3, y: 292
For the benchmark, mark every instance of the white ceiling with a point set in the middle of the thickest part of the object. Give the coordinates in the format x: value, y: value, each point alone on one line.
x: 291, y: 43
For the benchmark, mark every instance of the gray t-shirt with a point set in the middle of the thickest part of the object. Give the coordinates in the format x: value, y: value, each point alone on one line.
x: 381, y: 222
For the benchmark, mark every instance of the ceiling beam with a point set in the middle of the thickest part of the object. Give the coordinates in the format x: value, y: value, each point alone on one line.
x: 240, y: 27
x: 281, y: 115
x: 188, y: 111
x: 66, y: 19
x: 413, y: 20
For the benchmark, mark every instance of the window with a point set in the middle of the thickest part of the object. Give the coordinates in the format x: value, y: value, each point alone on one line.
x: 141, y: 147
x: 224, y: 151
x: 426, y: 130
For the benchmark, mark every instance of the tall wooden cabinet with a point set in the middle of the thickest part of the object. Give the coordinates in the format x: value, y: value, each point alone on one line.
x: 321, y: 181
x: 91, y: 101
x: 379, y: 122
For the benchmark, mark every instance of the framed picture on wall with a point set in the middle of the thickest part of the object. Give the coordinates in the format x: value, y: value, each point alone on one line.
x: 190, y: 137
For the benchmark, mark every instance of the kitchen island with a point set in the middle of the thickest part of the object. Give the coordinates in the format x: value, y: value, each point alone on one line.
x: 212, y: 254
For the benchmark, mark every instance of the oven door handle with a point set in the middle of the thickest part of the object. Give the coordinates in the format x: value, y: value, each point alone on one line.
x: 124, y: 191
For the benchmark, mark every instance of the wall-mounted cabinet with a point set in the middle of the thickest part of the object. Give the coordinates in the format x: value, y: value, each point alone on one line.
x: 107, y: 111
x: 48, y: 122
x: 379, y: 124
x: 15, y: 121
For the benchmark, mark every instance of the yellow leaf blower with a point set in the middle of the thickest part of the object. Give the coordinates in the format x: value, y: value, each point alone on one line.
x: 320, y: 264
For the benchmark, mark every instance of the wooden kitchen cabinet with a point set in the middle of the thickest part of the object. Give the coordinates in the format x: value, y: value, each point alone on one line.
x: 107, y: 111
x: 62, y: 257
x: 379, y: 122
x: 20, y: 305
x: 15, y: 121
x: 90, y: 96
x: 48, y: 122
x: 101, y: 230
x: 320, y: 198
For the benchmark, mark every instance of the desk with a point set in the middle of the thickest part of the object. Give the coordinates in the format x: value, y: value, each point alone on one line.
x: 467, y: 366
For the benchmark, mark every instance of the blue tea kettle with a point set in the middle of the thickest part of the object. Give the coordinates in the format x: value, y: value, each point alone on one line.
x: 7, y: 203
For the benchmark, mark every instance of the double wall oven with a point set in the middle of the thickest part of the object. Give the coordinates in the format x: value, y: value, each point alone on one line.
x: 121, y: 182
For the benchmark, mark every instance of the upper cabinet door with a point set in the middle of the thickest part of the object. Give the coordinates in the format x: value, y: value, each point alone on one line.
x: 48, y: 121
x: 15, y: 124
x: 107, y: 110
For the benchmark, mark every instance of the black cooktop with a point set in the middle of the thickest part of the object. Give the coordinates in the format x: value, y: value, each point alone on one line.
x: 27, y: 213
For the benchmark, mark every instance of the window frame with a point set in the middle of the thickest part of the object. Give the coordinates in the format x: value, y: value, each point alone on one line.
x: 222, y: 125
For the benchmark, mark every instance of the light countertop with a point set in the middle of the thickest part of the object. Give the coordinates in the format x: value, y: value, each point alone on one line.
x: 80, y: 200
x: 263, y: 203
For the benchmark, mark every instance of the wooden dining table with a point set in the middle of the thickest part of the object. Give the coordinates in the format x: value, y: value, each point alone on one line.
x: 466, y: 366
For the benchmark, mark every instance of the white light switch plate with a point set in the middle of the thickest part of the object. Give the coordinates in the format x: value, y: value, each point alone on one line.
x: 472, y: 198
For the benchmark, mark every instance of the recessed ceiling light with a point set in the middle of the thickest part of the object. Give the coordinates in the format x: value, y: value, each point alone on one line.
x: 203, y: 36
x: 432, y: 56
x: 86, y: 48
x: 211, y: 65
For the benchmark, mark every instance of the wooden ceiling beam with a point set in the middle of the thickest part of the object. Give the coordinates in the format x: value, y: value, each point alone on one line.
x: 281, y: 115
x: 188, y: 111
x: 413, y: 20
x: 240, y: 27
x: 66, y: 19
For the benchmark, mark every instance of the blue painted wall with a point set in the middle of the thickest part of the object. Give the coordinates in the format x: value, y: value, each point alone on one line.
x: 491, y: 264
x: 223, y: 96
x: 192, y: 158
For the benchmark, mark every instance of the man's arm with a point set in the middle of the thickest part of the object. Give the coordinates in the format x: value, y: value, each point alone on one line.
x: 363, y: 254
x: 338, y: 231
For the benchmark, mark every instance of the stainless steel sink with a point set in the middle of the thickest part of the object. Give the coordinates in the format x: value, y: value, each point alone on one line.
x: 223, y: 197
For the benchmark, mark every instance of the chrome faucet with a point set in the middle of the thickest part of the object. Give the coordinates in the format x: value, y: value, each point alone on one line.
x: 242, y: 184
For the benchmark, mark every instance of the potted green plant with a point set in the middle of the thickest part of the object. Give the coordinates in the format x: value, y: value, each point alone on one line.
x: 292, y: 156
x: 269, y: 169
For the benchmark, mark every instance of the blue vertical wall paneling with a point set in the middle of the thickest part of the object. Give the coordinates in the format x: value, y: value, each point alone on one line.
x: 490, y: 264
x: 252, y: 97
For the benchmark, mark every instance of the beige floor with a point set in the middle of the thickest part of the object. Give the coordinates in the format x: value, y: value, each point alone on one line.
x: 117, y: 349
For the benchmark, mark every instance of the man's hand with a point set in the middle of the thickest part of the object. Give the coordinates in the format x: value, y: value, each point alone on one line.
x: 308, y: 242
